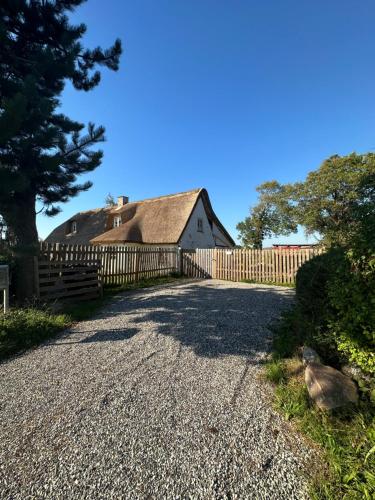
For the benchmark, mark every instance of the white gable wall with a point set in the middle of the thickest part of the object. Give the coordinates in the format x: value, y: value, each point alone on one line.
x: 192, y: 238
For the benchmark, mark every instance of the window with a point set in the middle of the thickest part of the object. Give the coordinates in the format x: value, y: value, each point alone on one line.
x: 200, y: 225
x: 117, y: 221
x: 73, y: 226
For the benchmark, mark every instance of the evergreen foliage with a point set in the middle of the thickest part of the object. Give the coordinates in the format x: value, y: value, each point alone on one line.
x: 42, y: 151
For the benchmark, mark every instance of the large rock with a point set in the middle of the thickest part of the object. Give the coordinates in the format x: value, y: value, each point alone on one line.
x: 309, y: 355
x: 328, y: 387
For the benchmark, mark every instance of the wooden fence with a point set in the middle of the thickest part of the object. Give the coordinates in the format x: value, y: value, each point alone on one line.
x: 264, y: 266
x: 68, y: 271
x: 117, y: 264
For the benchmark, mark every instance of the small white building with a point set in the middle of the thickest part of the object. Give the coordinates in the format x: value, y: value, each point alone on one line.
x: 184, y: 219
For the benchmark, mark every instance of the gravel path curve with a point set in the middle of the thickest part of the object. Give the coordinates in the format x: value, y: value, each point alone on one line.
x: 159, y: 396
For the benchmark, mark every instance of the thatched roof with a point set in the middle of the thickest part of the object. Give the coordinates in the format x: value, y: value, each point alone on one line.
x: 89, y: 224
x: 157, y: 221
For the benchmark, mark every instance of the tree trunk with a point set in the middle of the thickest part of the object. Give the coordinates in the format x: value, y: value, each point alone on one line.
x: 21, y: 219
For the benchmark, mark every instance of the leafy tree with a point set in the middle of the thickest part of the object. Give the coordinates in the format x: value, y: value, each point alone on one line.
x: 333, y: 202
x: 266, y: 218
x: 41, y: 150
x: 255, y: 228
x: 252, y: 231
x: 109, y: 200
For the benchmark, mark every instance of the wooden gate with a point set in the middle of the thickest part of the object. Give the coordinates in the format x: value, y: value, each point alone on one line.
x: 262, y: 266
x: 72, y: 280
x: 198, y: 263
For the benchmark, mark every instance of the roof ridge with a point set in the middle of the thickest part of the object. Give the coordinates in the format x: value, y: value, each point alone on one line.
x: 191, y: 191
x: 90, y: 210
x: 156, y: 198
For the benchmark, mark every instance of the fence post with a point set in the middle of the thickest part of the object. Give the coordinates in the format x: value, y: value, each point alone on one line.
x: 177, y: 260
x: 36, y: 276
x: 181, y: 261
x: 214, y: 260
x: 136, y: 264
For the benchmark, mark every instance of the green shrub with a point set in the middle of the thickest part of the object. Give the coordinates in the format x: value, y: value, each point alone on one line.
x: 289, y: 333
x: 312, y: 285
x: 313, y: 305
x: 336, y: 302
x: 351, y: 294
x: 24, y: 328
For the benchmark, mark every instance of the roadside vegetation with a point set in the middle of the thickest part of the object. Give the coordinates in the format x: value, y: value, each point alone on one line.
x: 346, y: 437
x: 337, y: 322
x: 24, y: 328
x: 21, y: 329
x: 334, y: 313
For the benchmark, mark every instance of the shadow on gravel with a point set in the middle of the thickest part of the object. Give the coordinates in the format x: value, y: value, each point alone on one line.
x: 109, y: 335
x: 212, y: 320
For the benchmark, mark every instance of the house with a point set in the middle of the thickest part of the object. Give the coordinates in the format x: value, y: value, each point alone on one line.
x: 184, y: 219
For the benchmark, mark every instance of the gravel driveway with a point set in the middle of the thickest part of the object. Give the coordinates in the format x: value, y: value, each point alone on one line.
x: 159, y: 396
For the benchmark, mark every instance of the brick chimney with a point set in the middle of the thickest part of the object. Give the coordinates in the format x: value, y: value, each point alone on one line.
x: 122, y: 200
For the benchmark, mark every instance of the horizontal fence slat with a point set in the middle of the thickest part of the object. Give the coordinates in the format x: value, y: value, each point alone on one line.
x: 66, y: 271
x: 72, y: 277
x: 70, y: 262
x: 64, y: 285
x: 83, y: 291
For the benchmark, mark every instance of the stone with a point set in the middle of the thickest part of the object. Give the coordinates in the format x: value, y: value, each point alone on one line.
x: 356, y: 373
x: 309, y: 355
x: 328, y: 387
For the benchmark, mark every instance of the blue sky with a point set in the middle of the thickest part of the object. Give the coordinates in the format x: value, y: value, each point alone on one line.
x: 224, y: 95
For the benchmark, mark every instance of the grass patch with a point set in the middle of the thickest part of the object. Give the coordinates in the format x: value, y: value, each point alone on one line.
x: 346, y: 437
x: 21, y: 329
x: 274, y: 371
x: 291, y: 400
x: 24, y: 328
x: 274, y: 283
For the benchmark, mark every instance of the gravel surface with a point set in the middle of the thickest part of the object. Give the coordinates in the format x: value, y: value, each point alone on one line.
x: 159, y: 396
